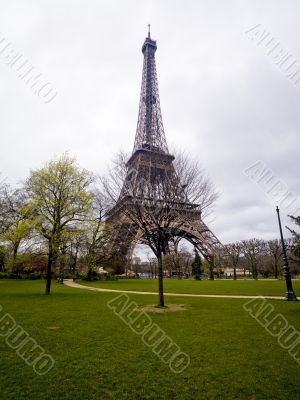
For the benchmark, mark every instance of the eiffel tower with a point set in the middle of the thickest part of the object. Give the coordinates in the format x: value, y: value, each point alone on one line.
x: 151, y: 158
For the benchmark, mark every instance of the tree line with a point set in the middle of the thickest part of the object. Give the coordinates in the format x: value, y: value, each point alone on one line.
x: 54, y: 223
x: 242, y: 259
x: 60, y: 214
x: 55, y: 219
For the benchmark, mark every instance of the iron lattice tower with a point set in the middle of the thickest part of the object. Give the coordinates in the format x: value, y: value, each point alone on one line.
x: 150, y: 133
x: 151, y: 160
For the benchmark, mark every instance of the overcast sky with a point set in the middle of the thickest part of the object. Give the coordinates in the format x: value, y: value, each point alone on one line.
x: 223, y: 99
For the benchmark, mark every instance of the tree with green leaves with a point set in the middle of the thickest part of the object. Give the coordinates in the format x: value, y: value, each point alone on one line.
x: 197, y: 266
x: 60, y: 198
x: 3, y: 256
x: 295, y: 245
x: 16, y: 221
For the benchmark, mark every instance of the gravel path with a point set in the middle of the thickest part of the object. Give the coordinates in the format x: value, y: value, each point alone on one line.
x: 71, y: 283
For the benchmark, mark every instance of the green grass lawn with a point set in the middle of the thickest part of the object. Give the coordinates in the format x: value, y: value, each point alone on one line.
x: 98, y: 357
x: 253, y: 287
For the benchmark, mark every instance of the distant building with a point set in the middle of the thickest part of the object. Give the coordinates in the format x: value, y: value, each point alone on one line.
x: 229, y: 271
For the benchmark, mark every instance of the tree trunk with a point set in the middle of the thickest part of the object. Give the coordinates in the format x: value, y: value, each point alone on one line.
x: 89, y: 274
x: 234, y: 273
x: 211, y: 270
x: 74, y: 264
x: 49, y: 268
x: 276, y: 270
x: 62, y: 266
x: 254, y: 272
x: 15, y: 254
x: 161, y: 301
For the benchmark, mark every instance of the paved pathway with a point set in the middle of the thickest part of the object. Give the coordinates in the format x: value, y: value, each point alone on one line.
x: 71, y: 283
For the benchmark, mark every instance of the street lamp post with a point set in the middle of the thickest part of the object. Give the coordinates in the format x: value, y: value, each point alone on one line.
x: 290, y: 295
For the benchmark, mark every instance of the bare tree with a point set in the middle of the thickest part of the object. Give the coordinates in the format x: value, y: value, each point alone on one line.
x: 95, y: 235
x: 177, y: 260
x: 160, y: 201
x: 233, y: 252
x: 76, y: 244
x: 253, y: 249
x: 274, y: 250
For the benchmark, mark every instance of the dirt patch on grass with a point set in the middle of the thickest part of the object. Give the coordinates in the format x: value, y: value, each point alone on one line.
x: 169, y: 308
x: 53, y: 328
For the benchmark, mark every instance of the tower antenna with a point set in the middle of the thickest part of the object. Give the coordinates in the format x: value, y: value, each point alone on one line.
x: 148, y: 30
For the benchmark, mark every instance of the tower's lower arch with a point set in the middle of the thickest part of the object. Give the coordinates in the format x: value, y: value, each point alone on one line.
x: 126, y: 236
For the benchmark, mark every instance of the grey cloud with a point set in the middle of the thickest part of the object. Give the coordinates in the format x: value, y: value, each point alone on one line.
x: 222, y: 98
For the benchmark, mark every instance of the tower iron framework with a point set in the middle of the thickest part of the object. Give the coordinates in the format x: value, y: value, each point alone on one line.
x: 149, y: 166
